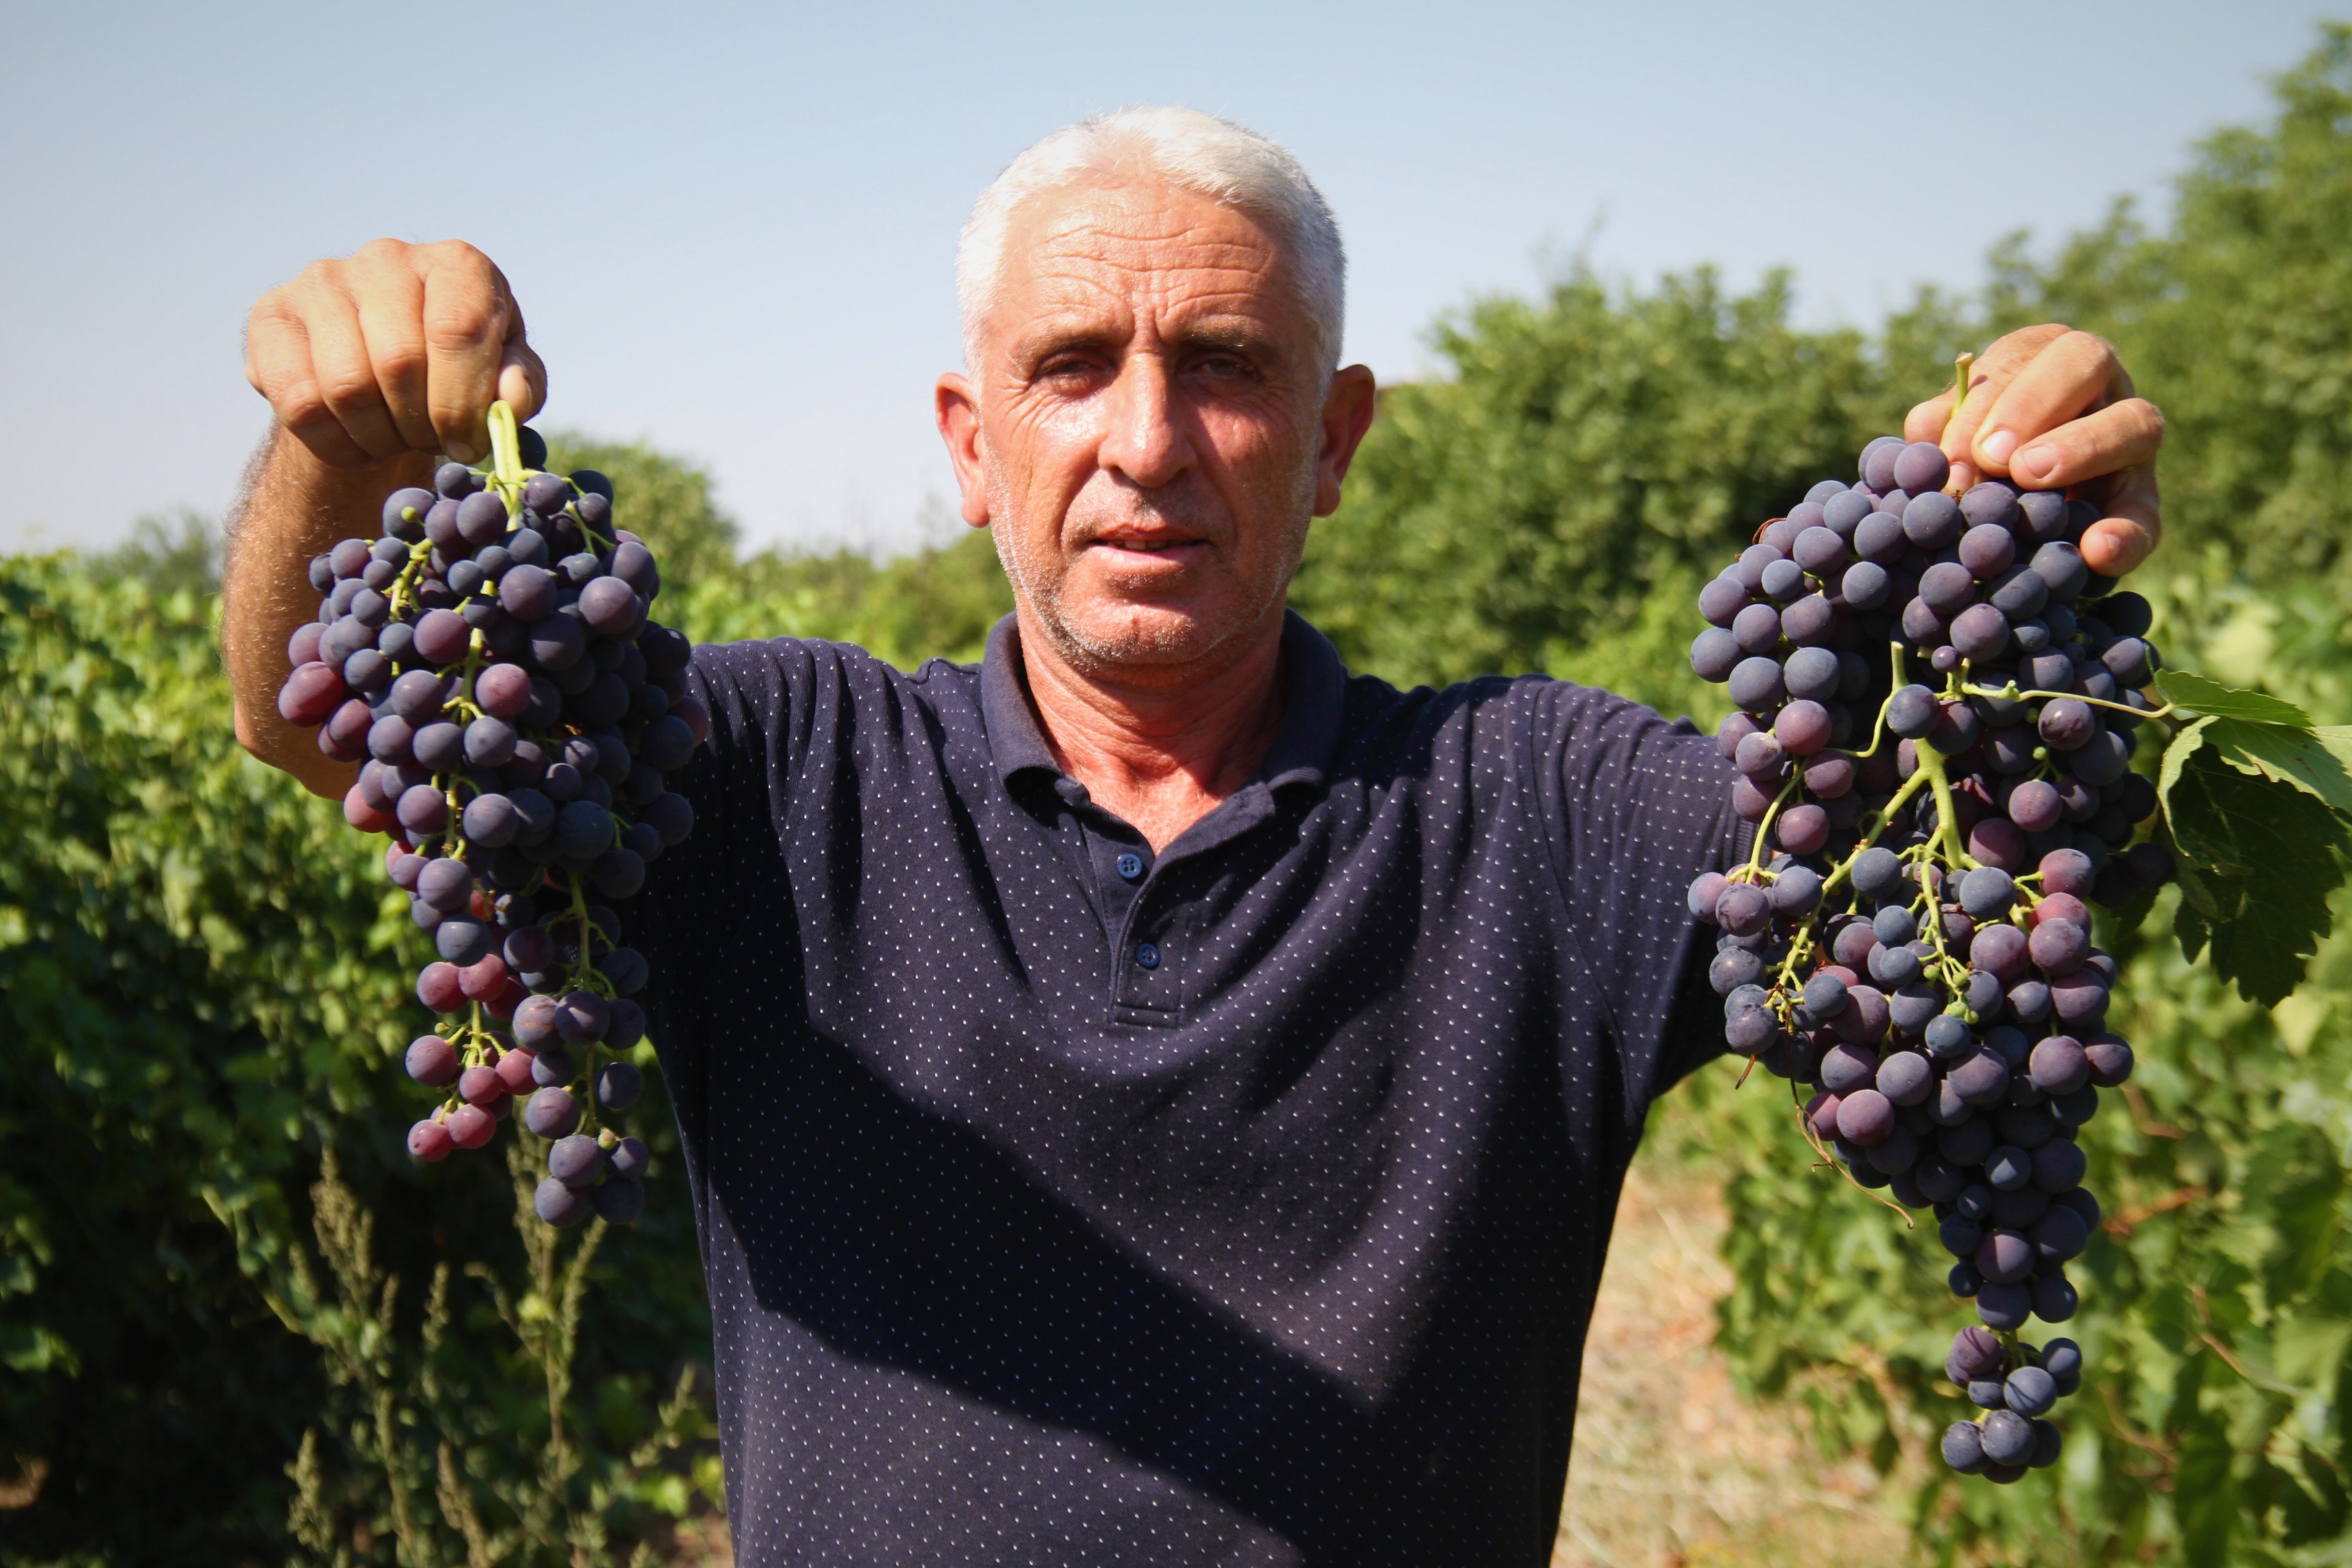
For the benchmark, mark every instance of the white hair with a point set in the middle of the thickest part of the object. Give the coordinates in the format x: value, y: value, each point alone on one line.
x: 1193, y: 152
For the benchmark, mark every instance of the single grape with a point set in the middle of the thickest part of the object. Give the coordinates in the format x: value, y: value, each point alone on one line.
x: 576, y: 1160
x: 432, y: 1061
x: 628, y: 1159
x: 1920, y: 466
x: 1802, y: 727
x: 1905, y: 1079
x: 1879, y: 539
x: 1796, y: 890
x: 560, y: 1205
x: 1714, y: 653
x: 551, y: 1113
x: 1945, y: 588
x: 2055, y: 1299
x: 2008, y: 1437
x: 2061, y: 566
x: 2004, y: 1307
x: 2111, y: 1061
x: 1720, y: 600
x: 618, y: 1086
x: 1987, y: 892
x: 1876, y: 872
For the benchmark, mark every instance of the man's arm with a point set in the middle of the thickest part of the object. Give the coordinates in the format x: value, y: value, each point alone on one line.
x: 373, y: 366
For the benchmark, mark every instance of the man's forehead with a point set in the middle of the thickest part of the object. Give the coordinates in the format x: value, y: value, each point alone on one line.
x: 1140, y: 241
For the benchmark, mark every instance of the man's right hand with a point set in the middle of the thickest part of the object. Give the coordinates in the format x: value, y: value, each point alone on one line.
x: 374, y: 365
x: 399, y: 349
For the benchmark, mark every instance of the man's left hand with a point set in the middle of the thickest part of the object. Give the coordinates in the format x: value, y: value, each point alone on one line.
x: 2052, y: 408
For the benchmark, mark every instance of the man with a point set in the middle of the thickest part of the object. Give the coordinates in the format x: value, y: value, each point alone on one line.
x: 1152, y: 1097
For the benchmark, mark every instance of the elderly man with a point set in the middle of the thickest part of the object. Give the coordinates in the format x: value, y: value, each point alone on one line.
x: 1154, y: 1097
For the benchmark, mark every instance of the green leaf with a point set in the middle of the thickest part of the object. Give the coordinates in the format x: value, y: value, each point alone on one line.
x: 2216, y: 700
x: 2206, y: 1491
x: 2176, y: 757
x: 2260, y: 861
x: 2285, y: 754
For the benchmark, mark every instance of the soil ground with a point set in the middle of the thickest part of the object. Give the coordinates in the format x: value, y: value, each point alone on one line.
x: 1672, y: 1467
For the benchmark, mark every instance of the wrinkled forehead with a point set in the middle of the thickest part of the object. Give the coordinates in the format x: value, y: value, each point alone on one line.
x: 1116, y: 257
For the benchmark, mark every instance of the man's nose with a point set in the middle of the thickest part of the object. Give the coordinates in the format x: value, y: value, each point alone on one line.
x: 1145, y: 440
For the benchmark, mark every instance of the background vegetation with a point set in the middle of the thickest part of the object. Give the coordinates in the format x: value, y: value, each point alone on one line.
x: 238, y: 1325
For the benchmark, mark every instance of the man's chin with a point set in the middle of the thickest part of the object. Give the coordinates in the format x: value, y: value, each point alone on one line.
x: 1145, y: 636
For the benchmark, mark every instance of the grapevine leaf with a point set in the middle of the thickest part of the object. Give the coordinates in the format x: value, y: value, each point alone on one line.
x: 2176, y: 757
x: 2285, y: 754
x: 2265, y: 858
x: 2338, y: 739
x: 2216, y: 700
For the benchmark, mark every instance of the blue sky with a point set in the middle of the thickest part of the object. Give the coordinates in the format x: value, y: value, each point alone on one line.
x: 732, y: 228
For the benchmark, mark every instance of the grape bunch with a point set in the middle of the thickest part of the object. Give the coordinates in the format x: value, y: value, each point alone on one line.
x: 489, y: 663
x: 1937, y: 703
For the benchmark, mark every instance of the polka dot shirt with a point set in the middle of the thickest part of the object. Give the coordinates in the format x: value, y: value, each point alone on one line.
x: 1062, y: 1203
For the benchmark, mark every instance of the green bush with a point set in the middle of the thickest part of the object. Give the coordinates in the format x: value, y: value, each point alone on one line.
x: 217, y: 1260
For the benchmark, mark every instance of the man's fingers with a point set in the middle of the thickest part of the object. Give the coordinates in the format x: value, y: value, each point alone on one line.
x: 390, y: 299
x: 2130, y: 525
x: 278, y: 363
x: 2122, y: 435
x: 522, y: 377
x: 1926, y: 420
x: 468, y: 319
x: 2076, y: 371
x: 1990, y: 375
x: 522, y: 380
x: 338, y: 356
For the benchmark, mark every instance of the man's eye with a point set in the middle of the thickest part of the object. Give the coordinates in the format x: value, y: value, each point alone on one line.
x: 1225, y: 366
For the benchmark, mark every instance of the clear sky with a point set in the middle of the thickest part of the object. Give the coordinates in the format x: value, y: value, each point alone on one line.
x: 732, y: 228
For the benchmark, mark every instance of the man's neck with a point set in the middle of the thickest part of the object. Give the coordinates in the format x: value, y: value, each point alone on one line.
x: 1160, y: 754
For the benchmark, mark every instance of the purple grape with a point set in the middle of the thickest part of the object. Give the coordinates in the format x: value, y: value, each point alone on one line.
x: 1721, y: 600
x: 1931, y: 521
x: 1714, y: 653
x: 560, y: 1204
x: 1803, y: 728
x: 551, y: 1113
x: 1880, y: 539
x: 1921, y: 466
x: 576, y: 1160
x: 1981, y: 632
x: 1755, y: 684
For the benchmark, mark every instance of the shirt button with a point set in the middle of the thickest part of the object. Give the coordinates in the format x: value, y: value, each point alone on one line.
x: 1130, y: 867
x: 1147, y: 956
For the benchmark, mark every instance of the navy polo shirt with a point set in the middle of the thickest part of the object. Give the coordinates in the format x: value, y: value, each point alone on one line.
x: 1063, y: 1203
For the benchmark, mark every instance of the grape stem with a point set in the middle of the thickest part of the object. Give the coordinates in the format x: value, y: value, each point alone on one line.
x: 2012, y: 692
x: 1805, y: 1125
x: 506, y: 470
x: 1756, y: 857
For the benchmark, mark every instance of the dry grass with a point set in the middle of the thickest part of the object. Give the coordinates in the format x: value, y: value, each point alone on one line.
x: 1672, y: 1468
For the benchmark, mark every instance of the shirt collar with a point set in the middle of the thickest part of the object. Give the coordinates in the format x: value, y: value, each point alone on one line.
x: 1314, y: 689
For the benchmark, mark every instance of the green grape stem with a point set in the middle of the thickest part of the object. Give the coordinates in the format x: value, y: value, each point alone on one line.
x: 2012, y: 692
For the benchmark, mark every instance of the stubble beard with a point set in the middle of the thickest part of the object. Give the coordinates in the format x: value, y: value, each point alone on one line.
x: 1127, y: 643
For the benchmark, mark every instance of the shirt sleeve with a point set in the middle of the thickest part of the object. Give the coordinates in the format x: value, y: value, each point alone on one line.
x: 1641, y: 806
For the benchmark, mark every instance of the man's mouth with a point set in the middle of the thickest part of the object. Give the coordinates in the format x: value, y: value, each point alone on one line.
x: 1149, y: 550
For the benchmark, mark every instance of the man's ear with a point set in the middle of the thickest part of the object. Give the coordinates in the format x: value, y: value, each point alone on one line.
x: 1348, y: 410
x: 956, y: 405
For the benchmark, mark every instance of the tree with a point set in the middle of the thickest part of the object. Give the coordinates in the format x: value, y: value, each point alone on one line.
x: 2238, y: 321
